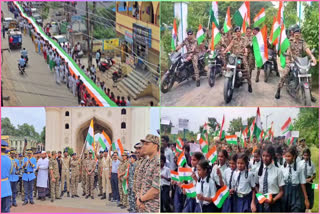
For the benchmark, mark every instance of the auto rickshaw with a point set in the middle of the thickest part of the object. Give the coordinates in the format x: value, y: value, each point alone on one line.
x: 14, y: 38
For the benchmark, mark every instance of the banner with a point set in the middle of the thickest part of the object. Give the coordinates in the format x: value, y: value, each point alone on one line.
x: 110, y: 44
x: 96, y: 93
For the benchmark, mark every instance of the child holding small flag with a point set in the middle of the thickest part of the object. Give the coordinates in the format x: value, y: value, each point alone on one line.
x: 228, y: 180
x: 222, y: 165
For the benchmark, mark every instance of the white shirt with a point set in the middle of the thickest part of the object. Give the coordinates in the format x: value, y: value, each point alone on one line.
x: 42, y: 178
x: 169, y: 157
x: 254, y: 167
x: 214, y: 172
x: 209, y: 189
x: 165, y: 171
x: 311, y: 170
x: 226, y: 177
x: 245, y: 183
x: 297, y: 176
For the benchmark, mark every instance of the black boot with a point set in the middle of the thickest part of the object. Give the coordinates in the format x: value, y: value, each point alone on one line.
x: 100, y: 195
x: 277, y: 96
x: 250, y: 89
x: 313, y: 99
x: 198, y: 83
x: 83, y: 194
x: 68, y: 194
x: 110, y: 196
x: 104, y: 196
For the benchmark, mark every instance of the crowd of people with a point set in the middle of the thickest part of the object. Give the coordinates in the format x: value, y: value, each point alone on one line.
x: 284, y: 172
x: 51, y: 174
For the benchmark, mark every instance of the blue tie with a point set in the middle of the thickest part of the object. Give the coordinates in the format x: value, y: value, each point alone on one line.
x: 265, y: 181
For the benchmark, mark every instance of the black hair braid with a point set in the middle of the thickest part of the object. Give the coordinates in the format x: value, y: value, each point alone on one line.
x: 309, y: 153
x: 271, y: 151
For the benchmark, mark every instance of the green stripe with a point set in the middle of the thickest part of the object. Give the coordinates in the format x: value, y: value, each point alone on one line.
x: 256, y: 52
x: 102, y: 144
x: 183, y: 162
x: 276, y: 34
x: 205, y: 149
x: 232, y: 142
x: 259, y: 22
x: 175, y: 179
x: 225, y: 27
x: 185, y: 178
x: 213, y: 159
x: 192, y: 194
x: 222, y: 200
x: 89, y: 139
x: 237, y: 18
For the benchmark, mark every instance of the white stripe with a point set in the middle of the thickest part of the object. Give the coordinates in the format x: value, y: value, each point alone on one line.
x: 261, y: 48
x: 259, y: 17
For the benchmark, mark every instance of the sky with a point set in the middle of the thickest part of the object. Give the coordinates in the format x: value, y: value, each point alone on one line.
x: 154, y: 120
x: 198, y: 116
x: 35, y: 116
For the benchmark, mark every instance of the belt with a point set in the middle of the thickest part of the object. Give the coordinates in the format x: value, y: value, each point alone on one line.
x: 28, y: 173
x: 242, y: 195
x: 4, y: 179
x: 105, y: 168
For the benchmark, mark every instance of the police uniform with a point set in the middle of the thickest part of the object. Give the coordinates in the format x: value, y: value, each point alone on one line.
x: 122, y: 169
x: 191, y: 46
x: 83, y: 174
x: 36, y: 174
x: 49, y: 180
x: 28, y: 177
x: 99, y: 174
x: 6, y: 170
x: 65, y: 174
x: 53, y: 166
x: 14, y: 178
x: 90, y: 165
x: 75, y: 174
x: 106, y: 164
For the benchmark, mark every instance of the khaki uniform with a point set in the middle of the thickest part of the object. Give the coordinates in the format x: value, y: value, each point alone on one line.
x: 223, y: 44
x: 65, y: 173
x: 297, y: 49
x: 90, y: 165
x: 251, y: 60
x: 83, y: 175
x: 75, y: 174
x: 140, y: 174
x: 191, y: 46
x: 122, y: 169
x: 106, y: 167
x: 100, y: 176
x: 54, y: 189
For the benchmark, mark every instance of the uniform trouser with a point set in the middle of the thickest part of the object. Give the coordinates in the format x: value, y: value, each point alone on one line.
x: 124, y: 198
x: 14, y: 192
x: 90, y: 183
x: 5, y: 204
x: 74, y: 183
x: 246, y: 73
x: 105, y: 181
x: 114, y: 186
x: 35, y: 187
x: 164, y: 202
x: 84, y: 181
x: 251, y: 63
x: 195, y: 59
x: 55, y: 189
x: 285, y: 73
x: 65, y: 177
x: 132, y: 199
x: 22, y: 189
x: 28, y: 188
x: 49, y: 186
x: 100, y: 183
x: 120, y: 190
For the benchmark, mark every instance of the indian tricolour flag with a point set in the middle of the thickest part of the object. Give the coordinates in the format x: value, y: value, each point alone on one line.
x: 203, y: 143
x: 244, y: 25
x: 227, y: 22
x: 243, y: 137
x: 221, y: 195
x: 90, y: 138
x: 260, y: 47
x: 259, y: 18
x: 125, y: 182
x: 262, y: 197
x: 105, y: 141
x: 287, y: 127
x: 262, y: 135
x: 214, y: 13
x: 174, y: 175
x: 221, y: 128
x: 231, y: 139
x: 315, y: 186
x: 190, y: 190
x: 275, y: 32
x: 117, y: 146
x: 212, y: 155
x: 182, y: 159
x: 258, y: 124
x: 284, y: 45
x: 200, y: 35
x: 252, y: 128
x: 239, y: 16
x: 216, y: 36
x: 178, y: 149
x: 174, y: 36
x: 180, y: 142
x: 185, y: 174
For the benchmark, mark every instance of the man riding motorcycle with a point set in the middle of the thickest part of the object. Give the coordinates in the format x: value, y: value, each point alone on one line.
x: 238, y: 46
x: 191, y: 44
x: 22, y: 62
x: 24, y: 53
x: 297, y: 48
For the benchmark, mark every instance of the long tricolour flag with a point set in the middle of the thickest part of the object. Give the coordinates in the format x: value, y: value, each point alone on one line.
x: 214, y: 17
x: 180, y: 142
x: 174, y: 36
x: 259, y: 18
x: 221, y: 128
x: 190, y: 190
x: 90, y: 138
x: 185, y: 174
x: 125, y: 182
x: 275, y: 32
x: 117, y: 146
x: 174, y: 175
x: 258, y: 124
x: 96, y: 93
x: 227, y: 22
x: 105, y: 141
x: 216, y: 36
x: 231, y: 139
x: 244, y: 25
x: 221, y: 195
x: 286, y: 127
x: 212, y: 155
x: 203, y: 143
x: 252, y: 128
x: 178, y: 149
x: 200, y: 34
x: 239, y: 16
x: 182, y: 159
x: 262, y: 197
x: 243, y: 137
x: 260, y: 47
x: 284, y: 45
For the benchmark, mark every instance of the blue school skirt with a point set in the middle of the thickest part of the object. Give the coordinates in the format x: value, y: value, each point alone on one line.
x: 269, y: 208
x: 209, y: 208
x: 229, y: 204
x: 178, y: 200
x: 243, y: 204
x: 310, y: 193
x: 190, y: 205
x: 292, y: 199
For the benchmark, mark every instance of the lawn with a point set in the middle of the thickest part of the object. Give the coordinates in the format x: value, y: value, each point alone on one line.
x: 315, y: 160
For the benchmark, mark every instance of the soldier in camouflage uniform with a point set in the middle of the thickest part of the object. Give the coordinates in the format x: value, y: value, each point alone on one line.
x: 49, y: 180
x: 83, y: 173
x: 251, y: 60
x: 131, y: 193
x: 121, y: 172
x: 65, y: 173
x: 223, y: 44
x: 100, y: 173
x: 75, y: 174
x: 55, y: 176
x: 238, y: 46
x: 149, y: 195
x: 297, y: 49
x: 192, y: 48
x: 90, y: 166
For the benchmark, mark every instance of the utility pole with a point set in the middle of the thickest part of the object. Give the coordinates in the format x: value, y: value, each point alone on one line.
x: 91, y: 29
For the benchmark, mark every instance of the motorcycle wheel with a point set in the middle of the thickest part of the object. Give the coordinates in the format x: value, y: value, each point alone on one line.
x: 167, y: 82
x: 306, y: 96
x: 267, y: 71
x: 212, y: 77
x: 227, y: 90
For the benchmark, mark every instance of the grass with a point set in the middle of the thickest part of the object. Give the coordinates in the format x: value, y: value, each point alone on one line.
x: 315, y: 160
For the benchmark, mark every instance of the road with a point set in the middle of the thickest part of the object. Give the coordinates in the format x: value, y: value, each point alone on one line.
x: 187, y: 94
x: 37, y: 87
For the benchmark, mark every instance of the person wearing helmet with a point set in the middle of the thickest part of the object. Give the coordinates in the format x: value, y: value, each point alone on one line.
x: 191, y: 44
x: 238, y: 46
x: 297, y: 49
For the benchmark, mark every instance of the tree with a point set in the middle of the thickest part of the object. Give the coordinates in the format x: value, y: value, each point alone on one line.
x: 43, y: 135
x: 250, y: 120
x: 7, y: 128
x: 27, y: 130
x: 235, y: 125
x: 307, y: 126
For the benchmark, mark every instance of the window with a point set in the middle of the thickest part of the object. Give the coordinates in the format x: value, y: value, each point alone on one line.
x: 67, y: 114
x: 123, y: 125
x: 123, y: 111
x: 66, y: 126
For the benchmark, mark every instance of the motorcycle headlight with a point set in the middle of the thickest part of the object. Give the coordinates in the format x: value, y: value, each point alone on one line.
x: 303, y: 71
x: 231, y: 60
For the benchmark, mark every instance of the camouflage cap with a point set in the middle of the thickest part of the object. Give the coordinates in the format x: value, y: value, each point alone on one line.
x: 53, y: 152
x: 48, y: 152
x: 152, y: 139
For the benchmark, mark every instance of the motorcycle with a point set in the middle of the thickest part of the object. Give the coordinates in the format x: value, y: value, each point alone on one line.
x: 26, y: 59
x: 299, y: 80
x: 117, y: 75
x: 270, y: 65
x: 106, y: 64
x: 180, y: 70
x: 215, y: 64
x: 21, y: 68
x: 233, y: 76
